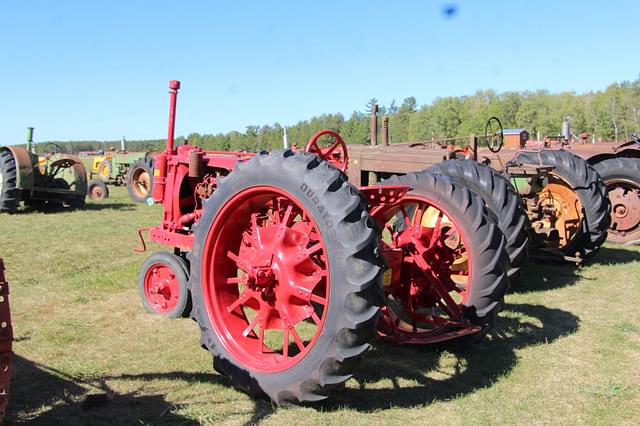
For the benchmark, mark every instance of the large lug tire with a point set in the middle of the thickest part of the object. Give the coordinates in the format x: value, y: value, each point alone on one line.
x: 140, y: 181
x: 582, y: 179
x: 502, y: 201
x: 9, y: 193
x: 340, y: 237
x: 622, y: 178
x: 97, y: 190
x: 487, y: 258
x: 162, y: 284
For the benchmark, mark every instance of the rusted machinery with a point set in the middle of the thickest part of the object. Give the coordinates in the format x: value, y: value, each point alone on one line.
x: 550, y: 202
x: 6, y: 342
x: 40, y: 180
x: 287, y: 267
x: 619, y: 167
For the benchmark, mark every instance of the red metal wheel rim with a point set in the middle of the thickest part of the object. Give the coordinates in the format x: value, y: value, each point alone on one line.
x: 625, y: 207
x: 425, y: 285
x: 265, y: 278
x: 161, y: 287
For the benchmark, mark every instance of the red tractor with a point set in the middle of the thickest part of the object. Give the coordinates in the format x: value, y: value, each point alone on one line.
x: 290, y: 270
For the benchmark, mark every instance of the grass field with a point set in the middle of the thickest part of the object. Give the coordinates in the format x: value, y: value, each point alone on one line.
x: 565, y: 350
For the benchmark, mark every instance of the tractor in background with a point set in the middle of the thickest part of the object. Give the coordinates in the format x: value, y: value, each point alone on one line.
x: 121, y: 168
x: 40, y: 180
x: 619, y: 166
x: 550, y: 204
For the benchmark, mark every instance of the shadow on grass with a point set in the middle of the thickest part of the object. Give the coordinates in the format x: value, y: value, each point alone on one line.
x: 57, y: 208
x: 42, y: 396
x: 540, y: 277
x: 398, y: 376
x: 614, y: 256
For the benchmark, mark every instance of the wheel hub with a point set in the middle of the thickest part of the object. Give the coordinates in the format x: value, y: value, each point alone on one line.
x: 626, y: 208
x: 560, y: 209
x: 269, y: 290
x: 429, y: 280
x: 162, y: 288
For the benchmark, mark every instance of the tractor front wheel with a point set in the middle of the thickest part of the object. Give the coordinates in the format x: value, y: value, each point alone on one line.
x: 285, y: 276
x: 163, y: 285
x: 622, y: 179
x: 97, y: 190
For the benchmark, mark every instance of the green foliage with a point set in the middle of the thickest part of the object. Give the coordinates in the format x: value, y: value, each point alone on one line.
x: 609, y: 115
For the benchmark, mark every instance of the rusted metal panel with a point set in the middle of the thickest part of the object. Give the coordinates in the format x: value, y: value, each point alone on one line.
x: 25, y: 166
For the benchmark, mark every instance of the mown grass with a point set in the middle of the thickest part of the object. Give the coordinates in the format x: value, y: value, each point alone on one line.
x: 565, y: 350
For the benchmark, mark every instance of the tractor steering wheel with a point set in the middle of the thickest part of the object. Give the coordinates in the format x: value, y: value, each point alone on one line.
x: 57, y: 149
x: 336, y: 154
x: 494, y: 134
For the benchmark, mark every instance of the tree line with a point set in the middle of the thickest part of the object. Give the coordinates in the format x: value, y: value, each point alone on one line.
x: 610, y: 115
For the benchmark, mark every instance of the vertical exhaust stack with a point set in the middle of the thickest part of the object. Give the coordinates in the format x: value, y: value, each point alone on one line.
x: 160, y: 164
x: 30, y: 140
x: 174, y: 86
x: 374, y: 124
x: 385, y: 130
x: 285, y: 139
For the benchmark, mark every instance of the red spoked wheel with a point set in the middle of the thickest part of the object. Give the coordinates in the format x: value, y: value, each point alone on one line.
x: 335, y: 154
x: 447, y: 263
x: 270, y: 287
x: 163, y: 283
x: 284, y: 277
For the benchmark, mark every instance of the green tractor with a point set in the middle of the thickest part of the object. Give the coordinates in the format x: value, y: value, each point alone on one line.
x: 49, y: 179
x: 131, y: 169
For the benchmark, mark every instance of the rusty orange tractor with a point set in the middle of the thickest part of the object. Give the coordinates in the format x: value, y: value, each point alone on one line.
x: 290, y: 270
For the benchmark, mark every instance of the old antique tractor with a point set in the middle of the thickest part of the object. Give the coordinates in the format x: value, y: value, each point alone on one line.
x: 619, y: 166
x: 290, y: 270
x: 52, y: 178
x: 549, y: 203
x: 121, y: 168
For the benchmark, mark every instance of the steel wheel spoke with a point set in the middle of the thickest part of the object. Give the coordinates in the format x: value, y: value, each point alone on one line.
x: 285, y: 343
x: 250, y: 327
x: 296, y: 338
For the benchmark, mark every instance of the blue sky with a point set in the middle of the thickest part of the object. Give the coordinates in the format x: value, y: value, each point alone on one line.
x: 79, y: 70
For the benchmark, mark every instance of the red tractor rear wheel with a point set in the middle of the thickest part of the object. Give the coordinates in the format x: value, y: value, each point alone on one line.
x: 622, y: 179
x: 163, y: 283
x: 448, y: 264
x: 285, y: 272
